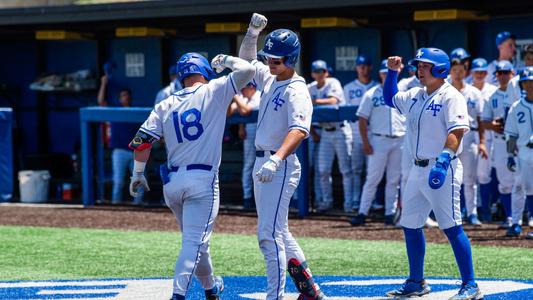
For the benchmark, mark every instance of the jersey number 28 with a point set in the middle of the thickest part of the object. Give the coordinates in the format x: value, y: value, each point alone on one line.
x: 188, y: 119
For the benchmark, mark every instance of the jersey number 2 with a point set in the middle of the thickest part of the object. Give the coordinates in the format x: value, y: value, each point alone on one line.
x: 187, y: 123
x: 521, y: 117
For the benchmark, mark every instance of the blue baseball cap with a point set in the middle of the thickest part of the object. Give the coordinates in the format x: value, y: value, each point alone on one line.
x: 503, y: 65
x: 383, y: 66
x: 363, y: 60
x: 319, y: 65
x: 479, y: 64
x: 503, y: 36
x: 459, y: 54
x: 526, y: 74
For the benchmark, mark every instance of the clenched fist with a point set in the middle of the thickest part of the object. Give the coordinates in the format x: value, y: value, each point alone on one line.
x: 257, y: 23
x: 394, y: 63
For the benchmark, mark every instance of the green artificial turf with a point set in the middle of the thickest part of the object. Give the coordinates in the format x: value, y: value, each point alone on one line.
x: 41, y: 253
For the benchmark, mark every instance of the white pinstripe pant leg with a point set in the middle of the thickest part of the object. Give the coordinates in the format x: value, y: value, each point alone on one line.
x: 358, y: 161
x: 326, y: 155
x: 313, y: 163
x: 248, y: 161
x: 393, y: 176
x: 469, y: 160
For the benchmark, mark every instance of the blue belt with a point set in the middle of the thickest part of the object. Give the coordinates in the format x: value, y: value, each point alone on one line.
x: 261, y: 153
x: 164, y: 171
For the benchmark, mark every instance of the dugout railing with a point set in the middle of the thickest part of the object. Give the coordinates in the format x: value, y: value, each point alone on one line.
x: 92, y: 150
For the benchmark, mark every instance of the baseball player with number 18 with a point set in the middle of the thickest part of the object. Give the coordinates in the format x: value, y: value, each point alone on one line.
x: 189, y: 121
x: 284, y: 121
x: 437, y: 118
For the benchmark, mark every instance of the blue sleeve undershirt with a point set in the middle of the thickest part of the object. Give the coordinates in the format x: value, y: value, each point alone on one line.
x: 390, y: 87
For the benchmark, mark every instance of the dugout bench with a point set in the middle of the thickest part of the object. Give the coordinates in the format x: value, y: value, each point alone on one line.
x: 92, y: 149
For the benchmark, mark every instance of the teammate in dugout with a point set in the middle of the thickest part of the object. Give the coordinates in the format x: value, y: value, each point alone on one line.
x: 336, y: 137
x: 519, y: 129
x: 353, y: 93
x: 190, y: 121
x: 493, y: 118
x: 484, y: 164
x: 382, y: 129
x: 437, y: 118
x: 284, y: 120
x: 470, y: 142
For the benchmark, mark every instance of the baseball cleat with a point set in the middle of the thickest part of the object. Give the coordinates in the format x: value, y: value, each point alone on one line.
x: 214, y: 293
x: 358, y: 220
x: 389, y: 220
x: 530, y: 222
x: 506, y: 224
x: 514, y: 231
x: 468, y: 291
x: 474, y: 220
x: 411, y: 288
x: 529, y: 235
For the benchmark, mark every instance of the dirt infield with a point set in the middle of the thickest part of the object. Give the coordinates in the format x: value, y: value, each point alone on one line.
x: 131, y: 218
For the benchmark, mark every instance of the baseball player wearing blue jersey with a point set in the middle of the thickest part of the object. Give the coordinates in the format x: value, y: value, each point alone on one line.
x: 484, y: 165
x: 353, y: 93
x: 469, y: 155
x: 506, y: 44
x: 382, y: 130
x: 437, y: 118
x: 519, y: 129
x: 190, y: 121
x: 284, y: 121
x: 493, y: 118
x: 336, y: 137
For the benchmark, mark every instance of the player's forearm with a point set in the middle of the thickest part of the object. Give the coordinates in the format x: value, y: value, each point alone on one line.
x: 481, y: 131
x: 101, y: 95
x: 390, y: 87
x: 291, y: 143
x: 248, y: 49
x: 243, y: 71
x: 363, y: 129
x: 454, y: 139
x: 325, y: 101
x: 140, y: 157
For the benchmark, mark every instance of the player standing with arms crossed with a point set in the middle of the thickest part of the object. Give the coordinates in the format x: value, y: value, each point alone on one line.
x: 336, y: 137
x: 437, y: 118
x: 284, y: 120
x: 469, y: 155
x: 386, y: 127
x: 190, y: 121
x: 353, y: 93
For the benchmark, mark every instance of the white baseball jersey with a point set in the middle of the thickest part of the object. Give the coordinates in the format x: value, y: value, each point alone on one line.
x: 519, y: 122
x: 191, y: 121
x: 354, y: 91
x: 496, y: 108
x: 253, y: 102
x: 170, y: 89
x: 285, y: 105
x: 408, y: 83
x: 486, y: 92
x: 383, y: 120
x: 332, y: 88
x: 474, y: 102
x: 430, y: 118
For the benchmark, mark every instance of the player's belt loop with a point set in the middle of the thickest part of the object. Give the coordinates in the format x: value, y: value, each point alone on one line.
x: 164, y: 171
x: 261, y: 153
x: 421, y: 162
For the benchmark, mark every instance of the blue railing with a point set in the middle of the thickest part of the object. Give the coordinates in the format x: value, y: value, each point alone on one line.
x: 90, y: 152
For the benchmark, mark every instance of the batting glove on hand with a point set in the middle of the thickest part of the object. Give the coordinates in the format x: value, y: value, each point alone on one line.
x: 137, y: 181
x: 219, y: 62
x: 257, y: 23
x: 266, y: 173
x: 511, y: 164
x: 437, y: 175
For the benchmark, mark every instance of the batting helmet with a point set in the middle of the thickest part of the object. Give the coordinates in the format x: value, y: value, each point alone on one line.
x: 526, y: 74
x: 503, y: 36
x: 437, y: 57
x: 479, y: 64
x: 363, y: 60
x: 383, y: 66
x: 318, y: 65
x: 282, y: 43
x: 459, y: 54
x: 503, y: 65
x: 194, y: 63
